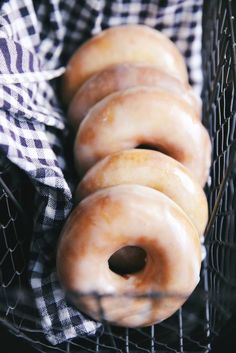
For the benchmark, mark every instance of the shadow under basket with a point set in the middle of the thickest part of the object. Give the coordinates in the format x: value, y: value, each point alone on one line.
x: 194, y: 327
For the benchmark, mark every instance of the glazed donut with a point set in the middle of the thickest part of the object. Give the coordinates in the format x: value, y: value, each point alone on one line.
x: 120, y: 77
x: 121, y: 216
x: 127, y: 43
x: 144, y: 115
x: 153, y: 169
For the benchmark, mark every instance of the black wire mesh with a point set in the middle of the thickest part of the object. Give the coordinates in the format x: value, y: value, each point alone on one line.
x: 14, y: 239
x: 219, y: 61
x: 194, y: 326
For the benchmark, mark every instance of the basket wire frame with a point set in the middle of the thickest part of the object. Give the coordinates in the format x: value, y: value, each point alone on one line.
x: 194, y: 326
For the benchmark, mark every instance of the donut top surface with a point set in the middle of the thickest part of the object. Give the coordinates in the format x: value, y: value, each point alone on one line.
x: 129, y: 215
x: 120, y: 77
x: 127, y: 43
x: 153, y: 169
x: 144, y: 115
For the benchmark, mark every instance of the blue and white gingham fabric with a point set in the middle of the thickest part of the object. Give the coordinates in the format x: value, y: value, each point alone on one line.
x: 36, y: 40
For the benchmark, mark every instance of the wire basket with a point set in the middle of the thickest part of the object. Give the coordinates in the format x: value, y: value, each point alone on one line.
x: 194, y: 326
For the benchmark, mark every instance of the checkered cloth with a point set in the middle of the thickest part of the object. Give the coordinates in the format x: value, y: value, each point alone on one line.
x: 36, y: 40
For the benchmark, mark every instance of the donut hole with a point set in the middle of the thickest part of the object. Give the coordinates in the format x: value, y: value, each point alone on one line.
x: 128, y: 260
x: 145, y: 146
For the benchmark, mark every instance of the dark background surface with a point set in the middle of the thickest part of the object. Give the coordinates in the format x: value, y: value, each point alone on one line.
x: 224, y: 343
x: 12, y: 344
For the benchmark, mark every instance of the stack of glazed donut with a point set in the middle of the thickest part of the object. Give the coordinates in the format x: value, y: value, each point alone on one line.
x: 143, y: 157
